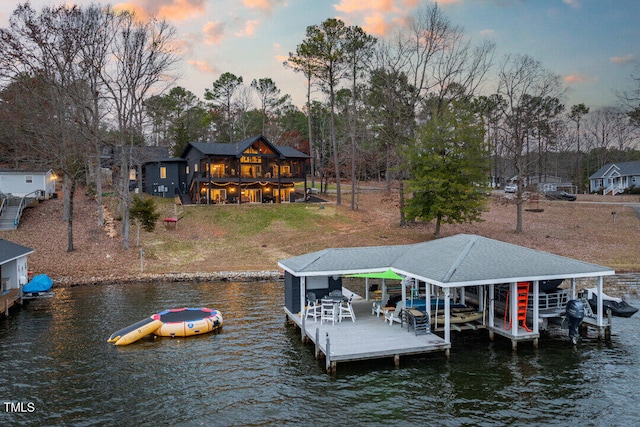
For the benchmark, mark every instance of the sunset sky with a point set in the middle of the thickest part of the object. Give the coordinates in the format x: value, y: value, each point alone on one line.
x: 593, y: 44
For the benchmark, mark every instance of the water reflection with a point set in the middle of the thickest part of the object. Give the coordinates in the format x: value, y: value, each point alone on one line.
x: 257, y: 371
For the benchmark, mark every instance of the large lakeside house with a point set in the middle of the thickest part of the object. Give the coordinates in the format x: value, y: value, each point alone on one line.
x: 249, y: 171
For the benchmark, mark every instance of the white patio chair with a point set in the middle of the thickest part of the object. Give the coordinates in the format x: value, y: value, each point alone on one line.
x: 346, y: 310
x: 328, y: 311
x: 312, y: 309
x: 394, y: 315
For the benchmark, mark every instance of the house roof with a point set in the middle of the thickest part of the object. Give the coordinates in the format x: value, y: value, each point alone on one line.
x: 43, y: 171
x: 167, y: 160
x: 10, y: 251
x: 454, y: 261
x: 623, y: 168
x: 237, y: 148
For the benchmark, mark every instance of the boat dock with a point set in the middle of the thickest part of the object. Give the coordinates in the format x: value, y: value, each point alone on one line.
x: 8, y: 300
x: 369, y: 337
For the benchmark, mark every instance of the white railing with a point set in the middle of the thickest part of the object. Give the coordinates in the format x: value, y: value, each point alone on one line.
x: 23, y: 203
x: 613, y: 189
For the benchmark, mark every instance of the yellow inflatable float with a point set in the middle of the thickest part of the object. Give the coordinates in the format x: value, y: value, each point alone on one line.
x: 178, y: 322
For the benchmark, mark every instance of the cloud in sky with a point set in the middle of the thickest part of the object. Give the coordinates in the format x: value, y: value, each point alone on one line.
x: 573, y: 3
x: 213, y: 32
x: 249, y: 28
x: 380, y: 6
x: 487, y: 32
x: 577, y: 78
x: 264, y: 5
x: 204, y: 66
x: 378, y: 17
x: 176, y: 10
x: 623, y: 60
x: 375, y: 25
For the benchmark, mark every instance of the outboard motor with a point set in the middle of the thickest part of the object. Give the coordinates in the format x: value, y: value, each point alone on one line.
x: 575, y: 314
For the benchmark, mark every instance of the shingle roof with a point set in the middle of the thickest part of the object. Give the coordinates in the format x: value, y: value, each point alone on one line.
x: 452, y: 261
x: 623, y: 168
x: 237, y: 148
x: 10, y: 251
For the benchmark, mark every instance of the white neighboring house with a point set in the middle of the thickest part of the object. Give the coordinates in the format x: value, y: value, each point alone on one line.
x: 20, y: 183
x: 615, y: 178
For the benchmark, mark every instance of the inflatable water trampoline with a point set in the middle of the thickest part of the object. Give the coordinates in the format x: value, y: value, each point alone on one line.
x: 178, y: 322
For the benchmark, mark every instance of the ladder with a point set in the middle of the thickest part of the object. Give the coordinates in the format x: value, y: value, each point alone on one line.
x: 523, y: 301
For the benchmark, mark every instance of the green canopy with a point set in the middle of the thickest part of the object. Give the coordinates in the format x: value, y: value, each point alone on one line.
x: 389, y: 274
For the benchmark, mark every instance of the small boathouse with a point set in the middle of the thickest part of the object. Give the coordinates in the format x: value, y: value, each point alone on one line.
x: 451, y: 269
x: 13, y: 273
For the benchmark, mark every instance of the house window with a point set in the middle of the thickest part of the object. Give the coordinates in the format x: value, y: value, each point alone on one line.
x: 216, y: 170
x: 195, y: 167
x: 186, y: 170
x: 132, y: 174
x: 29, y: 179
x: 163, y: 173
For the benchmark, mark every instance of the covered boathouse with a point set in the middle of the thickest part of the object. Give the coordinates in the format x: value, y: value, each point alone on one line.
x: 445, y: 268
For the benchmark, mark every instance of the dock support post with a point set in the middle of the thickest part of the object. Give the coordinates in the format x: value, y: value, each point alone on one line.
x: 317, y: 343
x: 535, y: 343
x: 327, y: 355
x: 514, y: 345
x: 396, y: 360
x: 447, y: 354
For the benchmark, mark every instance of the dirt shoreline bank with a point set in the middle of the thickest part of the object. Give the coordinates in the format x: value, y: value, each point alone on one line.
x: 207, y: 247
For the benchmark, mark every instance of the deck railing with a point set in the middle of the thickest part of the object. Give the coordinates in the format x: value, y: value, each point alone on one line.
x: 37, y: 194
x: 613, y: 189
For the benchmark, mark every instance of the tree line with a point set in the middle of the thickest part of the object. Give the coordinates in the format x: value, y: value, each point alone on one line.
x: 426, y: 110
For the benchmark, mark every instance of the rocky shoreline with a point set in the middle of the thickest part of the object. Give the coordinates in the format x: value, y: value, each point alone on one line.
x: 624, y: 284
x: 223, y: 276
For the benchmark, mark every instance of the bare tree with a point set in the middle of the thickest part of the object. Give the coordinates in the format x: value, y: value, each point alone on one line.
x: 440, y: 63
x: 576, y: 114
x: 43, y: 55
x: 607, y: 128
x: 358, y: 48
x: 521, y: 79
x: 325, y: 46
x: 142, y: 55
x: 303, y: 61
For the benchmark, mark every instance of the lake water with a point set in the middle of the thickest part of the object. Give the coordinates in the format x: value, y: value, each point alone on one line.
x: 256, y: 372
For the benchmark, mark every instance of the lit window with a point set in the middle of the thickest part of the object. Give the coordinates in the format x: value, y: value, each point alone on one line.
x: 132, y: 174
x: 163, y: 172
x: 195, y: 167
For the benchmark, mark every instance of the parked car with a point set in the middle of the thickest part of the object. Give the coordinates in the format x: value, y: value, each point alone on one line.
x: 559, y: 195
x: 510, y: 188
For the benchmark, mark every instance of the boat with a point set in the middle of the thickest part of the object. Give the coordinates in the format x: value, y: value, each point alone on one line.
x: 178, y: 322
x: 457, y: 316
x: 39, y: 287
x: 618, y: 306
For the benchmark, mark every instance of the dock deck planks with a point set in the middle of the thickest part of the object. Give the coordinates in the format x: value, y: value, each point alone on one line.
x: 369, y: 337
x: 8, y: 299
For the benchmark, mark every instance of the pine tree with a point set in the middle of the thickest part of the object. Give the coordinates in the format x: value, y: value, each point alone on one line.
x: 449, y: 164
